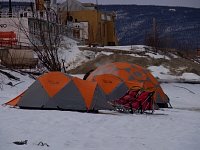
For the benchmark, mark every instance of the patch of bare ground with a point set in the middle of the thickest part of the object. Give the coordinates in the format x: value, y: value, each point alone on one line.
x: 177, y: 66
x: 180, y: 65
x: 104, y: 59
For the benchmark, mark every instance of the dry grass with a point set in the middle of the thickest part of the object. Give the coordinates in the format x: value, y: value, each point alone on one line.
x: 177, y: 66
x: 103, y: 59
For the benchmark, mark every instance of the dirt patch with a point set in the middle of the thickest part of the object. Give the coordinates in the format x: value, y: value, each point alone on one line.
x: 177, y: 66
x: 103, y: 59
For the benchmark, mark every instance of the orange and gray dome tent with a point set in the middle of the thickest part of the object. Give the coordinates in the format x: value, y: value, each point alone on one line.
x: 133, y: 73
x: 55, y: 90
x: 113, y: 86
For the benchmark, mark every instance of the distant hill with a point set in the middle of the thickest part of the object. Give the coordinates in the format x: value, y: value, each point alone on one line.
x: 179, y: 26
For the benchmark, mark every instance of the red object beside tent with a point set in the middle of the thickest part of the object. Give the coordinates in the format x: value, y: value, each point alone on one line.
x: 135, y: 100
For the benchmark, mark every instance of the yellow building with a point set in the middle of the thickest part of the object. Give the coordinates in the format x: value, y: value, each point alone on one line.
x: 96, y: 27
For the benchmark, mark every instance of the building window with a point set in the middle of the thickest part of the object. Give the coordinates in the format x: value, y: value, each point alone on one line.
x: 103, y: 17
x: 25, y: 14
x: 41, y: 14
x: 69, y: 18
x: 109, y: 18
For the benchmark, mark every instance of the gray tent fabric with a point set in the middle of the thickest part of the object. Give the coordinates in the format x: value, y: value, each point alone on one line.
x: 54, y: 91
x: 118, y: 92
x: 70, y: 98
x: 34, y: 97
x: 100, y: 100
x: 50, y: 104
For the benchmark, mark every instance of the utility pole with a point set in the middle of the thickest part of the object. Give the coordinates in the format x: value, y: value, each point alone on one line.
x: 97, y: 5
x: 154, y: 31
x: 10, y: 8
x: 155, y: 40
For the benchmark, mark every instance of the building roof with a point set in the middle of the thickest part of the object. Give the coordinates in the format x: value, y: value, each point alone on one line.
x: 72, y: 5
x: 16, y: 6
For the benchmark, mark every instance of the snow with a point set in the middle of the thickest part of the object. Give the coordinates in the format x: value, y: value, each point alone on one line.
x: 135, y: 55
x: 183, y: 95
x: 176, y: 128
x: 172, y: 9
x: 136, y: 49
x: 190, y: 76
x: 78, y: 75
x: 157, y: 56
x: 163, y: 73
x: 71, y: 55
x: 167, y: 129
x: 7, y: 92
x: 125, y: 48
x: 107, y: 53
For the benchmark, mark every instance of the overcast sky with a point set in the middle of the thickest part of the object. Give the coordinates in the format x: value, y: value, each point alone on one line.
x: 186, y: 3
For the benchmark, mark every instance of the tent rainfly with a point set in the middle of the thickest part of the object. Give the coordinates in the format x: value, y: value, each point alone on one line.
x: 133, y: 74
x: 56, y: 90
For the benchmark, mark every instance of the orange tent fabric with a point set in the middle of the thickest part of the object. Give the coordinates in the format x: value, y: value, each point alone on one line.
x: 130, y: 74
x: 87, y: 89
x: 56, y: 90
x: 14, y: 101
x: 53, y: 82
x: 107, y: 82
x: 113, y: 86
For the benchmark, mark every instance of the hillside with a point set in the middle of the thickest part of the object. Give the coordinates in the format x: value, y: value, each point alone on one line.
x: 169, y: 65
x: 177, y: 27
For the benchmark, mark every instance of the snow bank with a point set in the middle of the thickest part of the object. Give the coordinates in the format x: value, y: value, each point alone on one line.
x: 68, y: 52
x: 139, y: 48
x: 71, y: 55
x: 190, y: 76
x: 183, y: 95
x: 157, y: 56
x: 8, y: 92
x: 163, y: 73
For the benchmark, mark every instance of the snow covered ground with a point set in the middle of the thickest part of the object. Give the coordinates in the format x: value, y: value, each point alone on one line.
x: 167, y: 129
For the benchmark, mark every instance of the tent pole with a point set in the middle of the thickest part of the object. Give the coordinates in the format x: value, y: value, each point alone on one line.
x: 170, y: 106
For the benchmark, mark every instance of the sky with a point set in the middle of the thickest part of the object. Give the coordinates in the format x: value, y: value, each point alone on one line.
x: 185, y: 3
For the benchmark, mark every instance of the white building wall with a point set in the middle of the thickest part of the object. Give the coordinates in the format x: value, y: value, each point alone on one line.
x: 14, y: 24
x: 83, y: 29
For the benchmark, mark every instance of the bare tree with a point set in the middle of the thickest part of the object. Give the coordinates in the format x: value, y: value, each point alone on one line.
x: 45, y: 38
x: 152, y: 38
x: 1, y: 82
